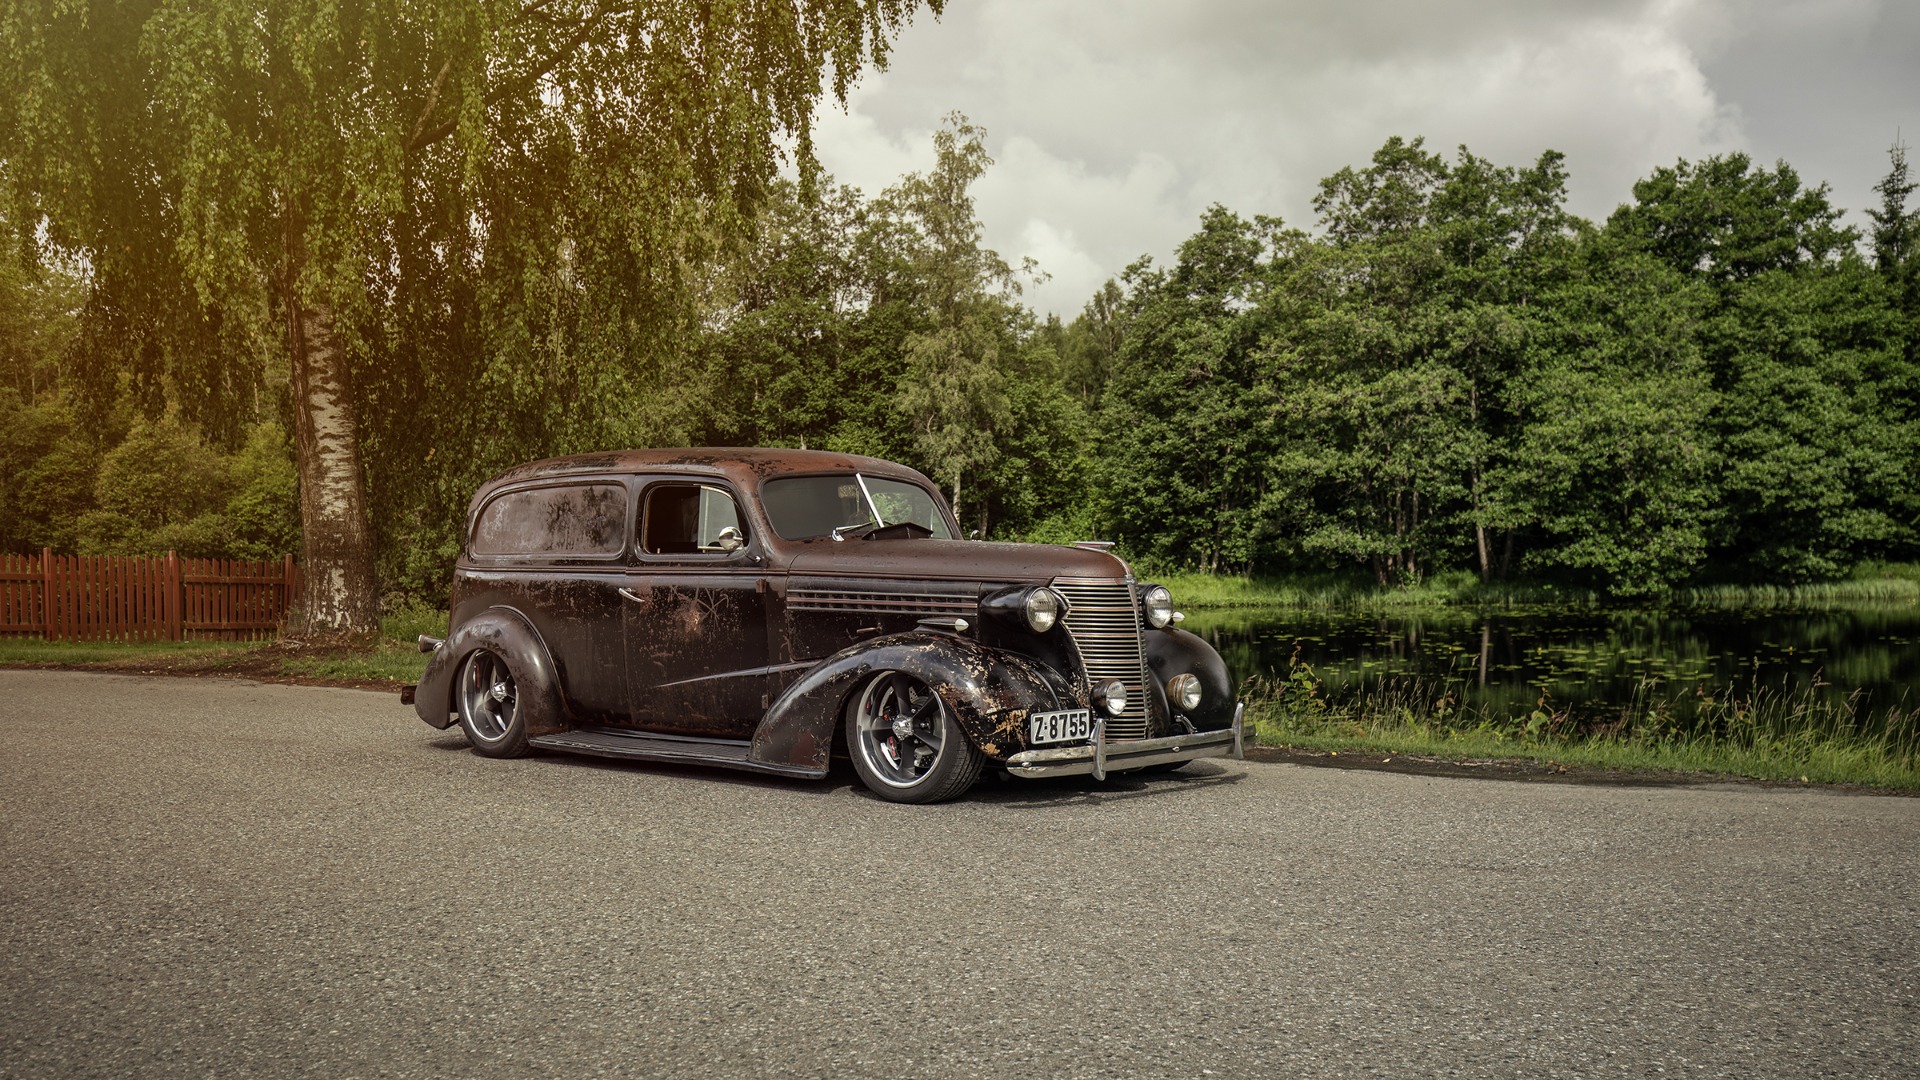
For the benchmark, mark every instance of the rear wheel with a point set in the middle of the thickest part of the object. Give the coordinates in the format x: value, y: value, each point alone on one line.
x: 489, y: 703
x: 905, y: 743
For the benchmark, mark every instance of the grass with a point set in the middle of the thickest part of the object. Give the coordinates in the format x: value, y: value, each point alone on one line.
x: 35, y: 652
x: 1762, y: 735
x: 1872, y: 584
x: 1200, y: 591
x: 394, y: 658
x: 388, y: 661
x: 1856, y: 590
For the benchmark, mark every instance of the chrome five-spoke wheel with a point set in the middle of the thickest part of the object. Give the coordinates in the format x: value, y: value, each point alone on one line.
x: 905, y: 743
x: 490, y: 705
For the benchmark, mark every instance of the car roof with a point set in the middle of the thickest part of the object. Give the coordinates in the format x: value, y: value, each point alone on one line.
x: 743, y: 465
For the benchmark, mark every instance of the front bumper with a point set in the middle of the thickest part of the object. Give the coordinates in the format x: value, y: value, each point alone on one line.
x: 1100, y: 757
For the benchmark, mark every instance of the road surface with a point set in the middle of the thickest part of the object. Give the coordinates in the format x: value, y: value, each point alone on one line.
x: 213, y: 878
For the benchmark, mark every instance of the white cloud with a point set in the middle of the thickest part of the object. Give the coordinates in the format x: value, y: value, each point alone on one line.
x: 1116, y: 122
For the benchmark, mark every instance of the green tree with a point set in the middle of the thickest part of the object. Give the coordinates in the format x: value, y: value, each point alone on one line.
x: 1725, y: 219
x: 249, y: 181
x: 955, y: 391
x: 39, y: 308
x: 1187, y: 422
x: 1395, y: 341
x: 1612, y: 467
x: 262, y: 509
x: 50, y: 469
x: 1815, y: 415
x: 1896, y: 229
x: 160, y: 490
x: 1819, y: 437
x: 1089, y: 346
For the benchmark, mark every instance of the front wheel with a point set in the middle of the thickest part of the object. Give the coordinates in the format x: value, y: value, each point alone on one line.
x: 905, y: 743
x: 489, y: 701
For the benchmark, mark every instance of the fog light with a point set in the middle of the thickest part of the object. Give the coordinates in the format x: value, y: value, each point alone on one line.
x: 1110, y: 697
x: 1184, y: 692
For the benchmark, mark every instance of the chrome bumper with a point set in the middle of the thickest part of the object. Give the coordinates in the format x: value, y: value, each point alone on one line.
x: 1100, y: 757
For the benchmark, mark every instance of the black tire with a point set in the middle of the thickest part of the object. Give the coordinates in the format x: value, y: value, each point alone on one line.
x: 906, y: 744
x: 487, y: 697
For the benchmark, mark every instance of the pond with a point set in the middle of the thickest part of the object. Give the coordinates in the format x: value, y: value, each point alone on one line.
x: 1592, y: 665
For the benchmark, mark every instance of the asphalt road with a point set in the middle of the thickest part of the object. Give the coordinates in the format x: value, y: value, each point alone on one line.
x: 202, y: 878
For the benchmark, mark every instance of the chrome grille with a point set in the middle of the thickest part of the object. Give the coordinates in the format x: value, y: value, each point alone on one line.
x: 1104, y: 618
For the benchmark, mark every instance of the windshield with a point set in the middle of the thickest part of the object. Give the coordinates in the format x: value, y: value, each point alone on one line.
x: 809, y: 507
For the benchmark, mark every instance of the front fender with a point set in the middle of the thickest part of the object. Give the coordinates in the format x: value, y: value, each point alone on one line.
x: 1171, y: 651
x: 988, y: 690
x: 509, y: 634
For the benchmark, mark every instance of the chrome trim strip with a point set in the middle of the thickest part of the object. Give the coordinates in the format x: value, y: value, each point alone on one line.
x: 881, y: 602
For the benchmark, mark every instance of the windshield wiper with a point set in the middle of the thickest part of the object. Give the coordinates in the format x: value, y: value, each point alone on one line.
x: 874, y: 520
x: 841, y: 532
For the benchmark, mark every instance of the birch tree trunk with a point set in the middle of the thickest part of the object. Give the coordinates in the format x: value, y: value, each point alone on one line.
x: 1479, y: 521
x: 335, y: 540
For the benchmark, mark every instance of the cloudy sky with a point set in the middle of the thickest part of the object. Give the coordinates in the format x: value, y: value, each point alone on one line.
x: 1114, y: 123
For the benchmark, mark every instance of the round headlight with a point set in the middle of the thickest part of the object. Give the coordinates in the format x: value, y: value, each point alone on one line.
x: 1159, y: 605
x: 1110, y: 697
x: 1043, y: 609
x: 1184, y: 692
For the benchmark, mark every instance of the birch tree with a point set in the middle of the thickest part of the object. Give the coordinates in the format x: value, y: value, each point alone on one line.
x: 241, y: 177
x: 956, y: 388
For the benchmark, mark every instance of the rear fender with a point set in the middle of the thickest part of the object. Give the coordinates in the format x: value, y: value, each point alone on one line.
x: 509, y: 634
x: 989, y: 691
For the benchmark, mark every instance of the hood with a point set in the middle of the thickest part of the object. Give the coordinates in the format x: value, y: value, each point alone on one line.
x: 955, y: 560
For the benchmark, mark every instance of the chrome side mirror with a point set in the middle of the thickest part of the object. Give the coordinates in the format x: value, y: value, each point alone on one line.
x: 975, y: 534
x: 729, y: 539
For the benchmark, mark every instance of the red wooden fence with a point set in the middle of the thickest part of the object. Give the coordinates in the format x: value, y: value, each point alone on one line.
x: 112, y: 598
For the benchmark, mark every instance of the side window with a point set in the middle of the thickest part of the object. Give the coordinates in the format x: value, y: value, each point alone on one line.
x: 570, y: 519
x: 690, y: 519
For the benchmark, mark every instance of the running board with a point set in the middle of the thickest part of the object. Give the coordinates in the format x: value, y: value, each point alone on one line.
x: 640, y: 746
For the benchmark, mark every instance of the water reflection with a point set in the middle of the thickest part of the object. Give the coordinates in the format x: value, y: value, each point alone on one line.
x: 1592, y: 664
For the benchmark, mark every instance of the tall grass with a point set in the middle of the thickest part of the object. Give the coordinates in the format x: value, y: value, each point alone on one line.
x: 1762, y: 732
x: 1452, y: 589
x: 1868, y: 590
x: 1874, y: 584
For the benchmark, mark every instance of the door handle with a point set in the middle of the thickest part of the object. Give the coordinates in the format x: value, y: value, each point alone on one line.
x: 636, y: 597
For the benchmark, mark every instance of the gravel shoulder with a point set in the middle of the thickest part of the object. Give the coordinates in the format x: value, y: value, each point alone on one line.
x: 202, y: 876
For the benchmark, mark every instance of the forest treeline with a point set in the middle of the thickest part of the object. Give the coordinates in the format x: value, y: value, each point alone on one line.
x: 1447, y: 372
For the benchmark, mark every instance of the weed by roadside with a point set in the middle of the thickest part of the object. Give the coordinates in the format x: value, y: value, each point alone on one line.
x: 1875, y: 584
x: 1762, y: 734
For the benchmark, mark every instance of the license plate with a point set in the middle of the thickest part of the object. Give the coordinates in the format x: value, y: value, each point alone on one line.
x: 1066, y: 725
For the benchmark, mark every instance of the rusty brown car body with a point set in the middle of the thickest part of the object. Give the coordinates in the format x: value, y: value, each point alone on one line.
x: 762, y: 609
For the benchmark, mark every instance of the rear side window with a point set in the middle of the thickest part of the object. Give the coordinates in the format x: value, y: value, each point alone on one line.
x: 691, y: 519
x: 571, y: 519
